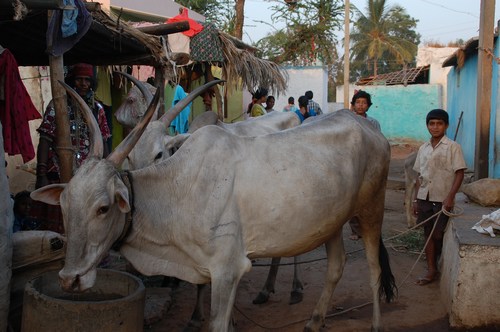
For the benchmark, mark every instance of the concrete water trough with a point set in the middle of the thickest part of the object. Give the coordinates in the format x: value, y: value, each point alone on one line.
x: 115, y: 303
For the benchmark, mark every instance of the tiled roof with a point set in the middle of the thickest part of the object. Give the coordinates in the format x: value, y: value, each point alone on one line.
x: 418, y: 75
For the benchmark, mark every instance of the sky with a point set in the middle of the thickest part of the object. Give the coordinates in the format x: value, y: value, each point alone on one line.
x: 440, y: 21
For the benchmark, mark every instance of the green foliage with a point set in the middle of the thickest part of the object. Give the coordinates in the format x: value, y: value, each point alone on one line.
x: 413, y: 241
x: 383, y: 40
x: 219, y: 12
x: 308, y: 35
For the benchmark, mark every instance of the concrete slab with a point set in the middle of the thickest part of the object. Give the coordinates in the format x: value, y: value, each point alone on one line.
x: 470, y: 269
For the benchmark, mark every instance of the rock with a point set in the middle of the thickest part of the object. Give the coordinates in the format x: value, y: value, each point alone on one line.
x: 485, y: 192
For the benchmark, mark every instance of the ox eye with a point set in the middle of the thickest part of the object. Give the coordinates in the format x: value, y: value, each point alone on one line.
x: 173, y: 150
x: 159, y: 155
x: 102, y: 210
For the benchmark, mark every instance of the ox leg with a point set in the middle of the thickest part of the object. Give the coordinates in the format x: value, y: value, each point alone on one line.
x: 335, y: 266
x: 381, y: 278
x: 297, y: 294
x: 268, y: 288
x: 410, y: 178
x: 224, y: 285
x: 409, y: 189
x: 198, y: 316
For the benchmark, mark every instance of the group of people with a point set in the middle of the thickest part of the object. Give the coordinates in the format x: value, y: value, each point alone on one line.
x: 436, y: 187
x: 307, y: 106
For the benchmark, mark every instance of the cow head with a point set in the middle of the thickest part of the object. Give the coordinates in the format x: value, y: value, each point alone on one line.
x: 156, y: 144
x: 133, y: 108
x: 94, y: 203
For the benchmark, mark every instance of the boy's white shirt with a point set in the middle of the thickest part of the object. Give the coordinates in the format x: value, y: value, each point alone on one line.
x: 436, y: 167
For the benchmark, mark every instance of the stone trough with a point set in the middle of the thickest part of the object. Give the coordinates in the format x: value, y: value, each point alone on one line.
x: 115, y: 303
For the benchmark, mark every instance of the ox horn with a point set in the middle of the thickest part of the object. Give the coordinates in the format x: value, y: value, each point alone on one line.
x: 143, y: 88
x: 96, y: 144
x: 123, y: 149
x: 170, y: 115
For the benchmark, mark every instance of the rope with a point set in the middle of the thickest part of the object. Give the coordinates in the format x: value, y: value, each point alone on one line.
x: 458, y: 212
x: 450, y: 214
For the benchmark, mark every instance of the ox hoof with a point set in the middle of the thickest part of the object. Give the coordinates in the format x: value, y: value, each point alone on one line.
x: 193, y: 326
x: 261, y: 298
x: 170, y: 282
x: 296, y: 297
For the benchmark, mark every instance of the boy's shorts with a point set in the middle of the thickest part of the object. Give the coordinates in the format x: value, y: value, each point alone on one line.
x: 427, y: 209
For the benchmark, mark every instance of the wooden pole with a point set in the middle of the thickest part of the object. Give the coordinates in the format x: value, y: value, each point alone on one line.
x: 165, y: 29
x: 483, y: 103
x: 346, y: 55
x: 64, y: 147
x: 160, y: 82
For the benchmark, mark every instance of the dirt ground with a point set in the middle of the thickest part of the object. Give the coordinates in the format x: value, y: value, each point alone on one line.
x: 417, y: 308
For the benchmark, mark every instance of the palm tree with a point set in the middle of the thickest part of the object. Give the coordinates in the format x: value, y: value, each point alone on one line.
x: 384, y: 33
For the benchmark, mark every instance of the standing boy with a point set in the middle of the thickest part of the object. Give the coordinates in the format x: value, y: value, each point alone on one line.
x: 440, y: 166
x: 360, y: 103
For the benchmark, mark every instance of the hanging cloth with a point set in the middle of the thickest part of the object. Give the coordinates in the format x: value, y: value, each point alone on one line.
x: 67, y: 27
x: 16, y: 110
x: 194, y: 27
x: 180, y: 123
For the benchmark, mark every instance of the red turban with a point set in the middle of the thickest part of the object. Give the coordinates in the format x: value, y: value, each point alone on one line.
x: 82, y: 69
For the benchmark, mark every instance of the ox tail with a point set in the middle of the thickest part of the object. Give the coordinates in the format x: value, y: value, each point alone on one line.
x: 388, y: 288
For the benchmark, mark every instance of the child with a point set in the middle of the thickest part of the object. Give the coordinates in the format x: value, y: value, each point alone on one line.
x: 301, y: 112
x: 360, y: 103
x: 440, y: 166
x: 291, y: 105
x: 260, y: 97
x: 270, y: 101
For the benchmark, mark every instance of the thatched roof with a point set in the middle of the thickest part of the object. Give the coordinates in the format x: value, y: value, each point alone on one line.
x: 242, y: 67
x: 111, y: 41
x: 108, y: 41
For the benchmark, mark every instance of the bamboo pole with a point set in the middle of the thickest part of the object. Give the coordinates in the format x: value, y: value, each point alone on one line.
x: 64, y: 147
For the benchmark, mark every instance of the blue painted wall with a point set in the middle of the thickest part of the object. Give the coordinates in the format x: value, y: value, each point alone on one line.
x: 462, y: 90
x: 462, y: 97
x: 401, y: 110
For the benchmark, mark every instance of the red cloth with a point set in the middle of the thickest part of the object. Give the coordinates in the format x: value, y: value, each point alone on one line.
x: 16, y: 110
x: 194, y: 27
x: 82, y: 70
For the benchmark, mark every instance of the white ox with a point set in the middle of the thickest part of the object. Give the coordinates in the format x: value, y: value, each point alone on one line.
x: 136, y: 102
x: 156, y: 144
x: 222, y: 200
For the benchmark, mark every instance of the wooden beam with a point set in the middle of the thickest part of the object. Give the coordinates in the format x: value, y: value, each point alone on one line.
x: 35, y: 4
x: 484, y: 77
x: 165, y: 29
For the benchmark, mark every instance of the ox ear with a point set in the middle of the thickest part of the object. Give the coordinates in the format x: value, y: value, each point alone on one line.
x: 177, y: 141
x: 120, y: 193
x: 49, y: 194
